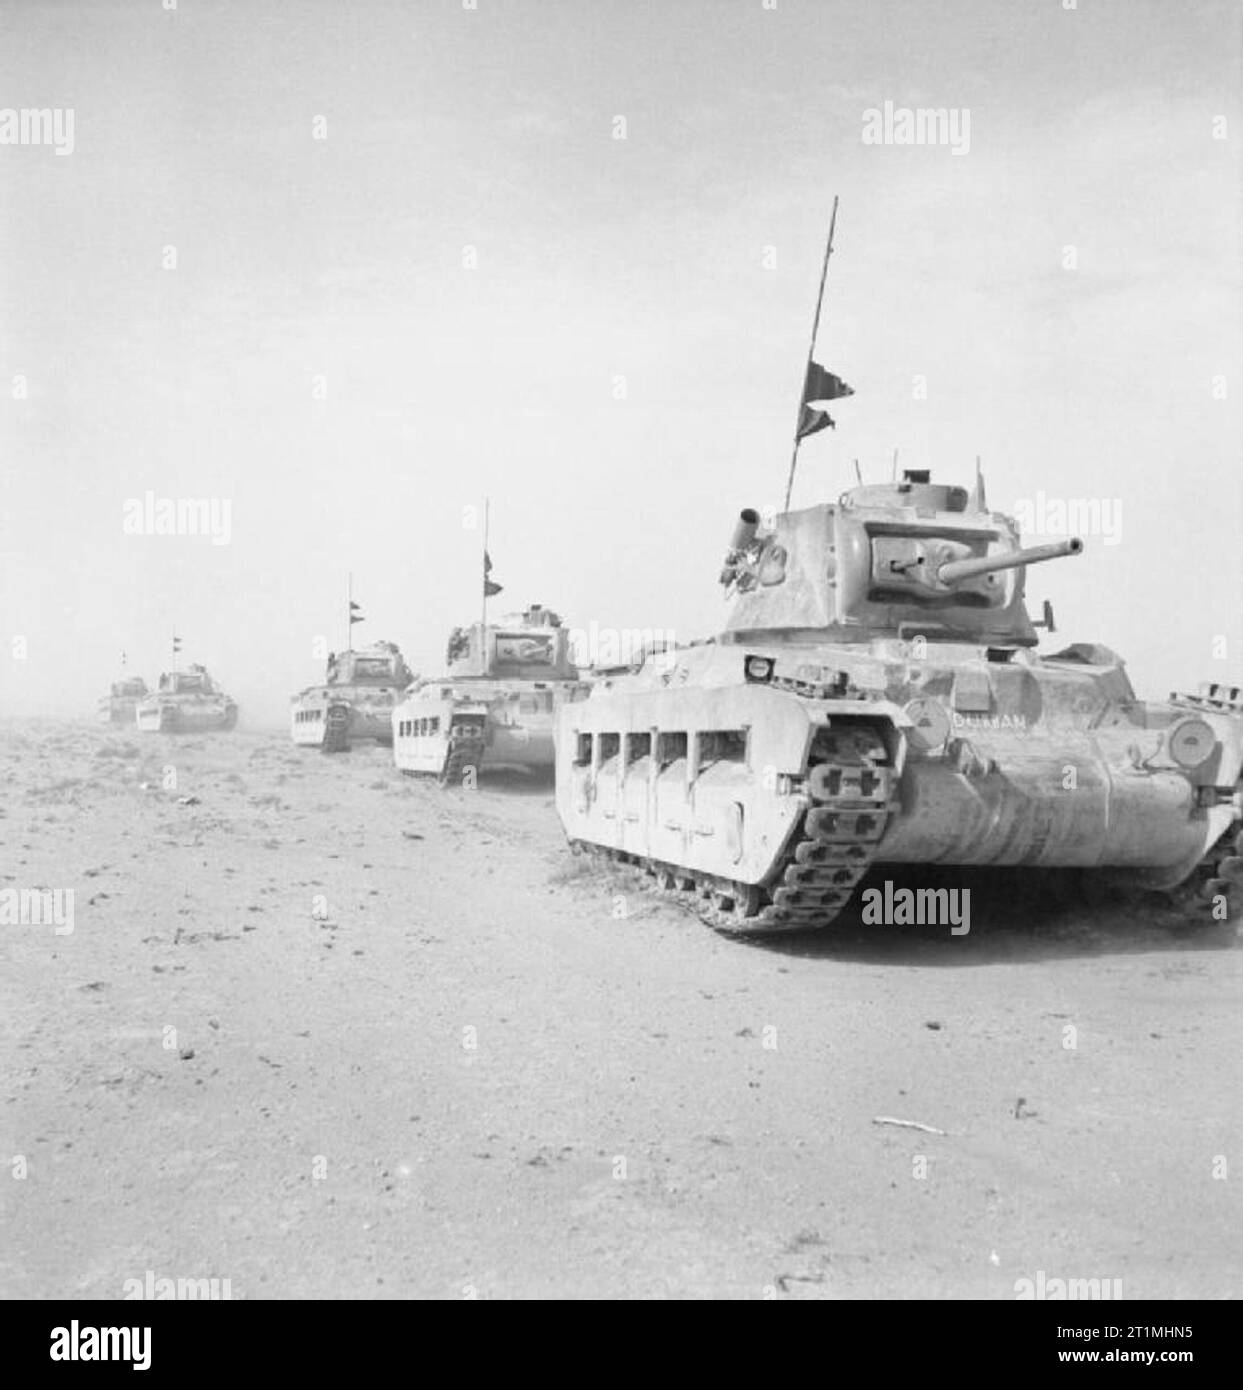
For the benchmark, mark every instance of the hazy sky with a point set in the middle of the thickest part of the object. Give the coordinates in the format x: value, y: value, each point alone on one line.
x: 343, y: 262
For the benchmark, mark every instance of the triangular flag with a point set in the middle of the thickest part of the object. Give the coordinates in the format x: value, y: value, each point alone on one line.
x: 811, y: 421
x: 489, y: 588
x: 821, y: 385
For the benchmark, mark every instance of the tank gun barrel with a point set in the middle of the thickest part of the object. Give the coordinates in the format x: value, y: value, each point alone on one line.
x: 958, y: 570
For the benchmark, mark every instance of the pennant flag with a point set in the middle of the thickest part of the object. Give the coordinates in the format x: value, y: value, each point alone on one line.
x: 823, y: 386
x: 356, y: 615
x: 489, y: 587
x: 810, y: 421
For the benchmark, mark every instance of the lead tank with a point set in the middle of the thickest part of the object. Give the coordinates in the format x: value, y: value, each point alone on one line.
x: 355, y: 702
x: 187, y: 702
x: 495, y: 707
x: 876, y: 699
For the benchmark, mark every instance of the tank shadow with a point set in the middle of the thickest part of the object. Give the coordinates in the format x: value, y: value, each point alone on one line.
x: 1011, y: 914
x: 518, y: 781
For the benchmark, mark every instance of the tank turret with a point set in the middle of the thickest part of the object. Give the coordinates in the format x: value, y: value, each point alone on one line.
x: 886, y: 559
x: 381, y: 665
x: 129, y: 687
x: 531, y: 645
x: 195, y: 681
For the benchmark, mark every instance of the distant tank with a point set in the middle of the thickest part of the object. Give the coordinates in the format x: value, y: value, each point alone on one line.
x: 187, y: 702
x: 356, y: 701
x: 495, y: 707
x: 121, y: 703
x: 876, y: 700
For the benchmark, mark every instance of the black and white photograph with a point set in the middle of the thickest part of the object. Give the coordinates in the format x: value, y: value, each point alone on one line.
x: 621, y: 660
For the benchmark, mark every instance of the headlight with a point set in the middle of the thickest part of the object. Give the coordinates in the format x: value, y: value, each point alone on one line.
x: 930, y: 724
x: 1192, y: 742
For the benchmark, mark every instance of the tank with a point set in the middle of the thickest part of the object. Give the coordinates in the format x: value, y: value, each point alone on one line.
x: 876, y: 700
x: 121, y: 702
x: 355, y: 702
x: 187, y: 702
x: 495, y: 707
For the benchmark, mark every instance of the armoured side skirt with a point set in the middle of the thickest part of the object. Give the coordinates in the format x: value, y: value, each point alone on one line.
x: 311, y: 735
x: 181, y: 722
x: 420, y: 754
x: 428, y: 754
x: 1048, y: 811
x: 520, y: 746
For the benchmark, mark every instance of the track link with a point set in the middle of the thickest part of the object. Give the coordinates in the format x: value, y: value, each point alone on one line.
x: 465, y: 750
x: 851, y: 786
x: 1218, y: 875
x: 336, y: 729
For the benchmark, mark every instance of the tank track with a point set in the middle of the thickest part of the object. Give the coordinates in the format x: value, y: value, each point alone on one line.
x: 336, y: 730
x: 1218, y: 874
x: 851, y: 786
x: 465, y: 750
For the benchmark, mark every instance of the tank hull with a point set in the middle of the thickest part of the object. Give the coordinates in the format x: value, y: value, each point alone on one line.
x: 117, y: 709
x: 486, y: 725
x: 186, y: 715
x: 324, y: 714
x: 751, y: 763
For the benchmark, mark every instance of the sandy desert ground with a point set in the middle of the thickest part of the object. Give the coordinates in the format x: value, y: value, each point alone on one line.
x: 417, y: 1051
